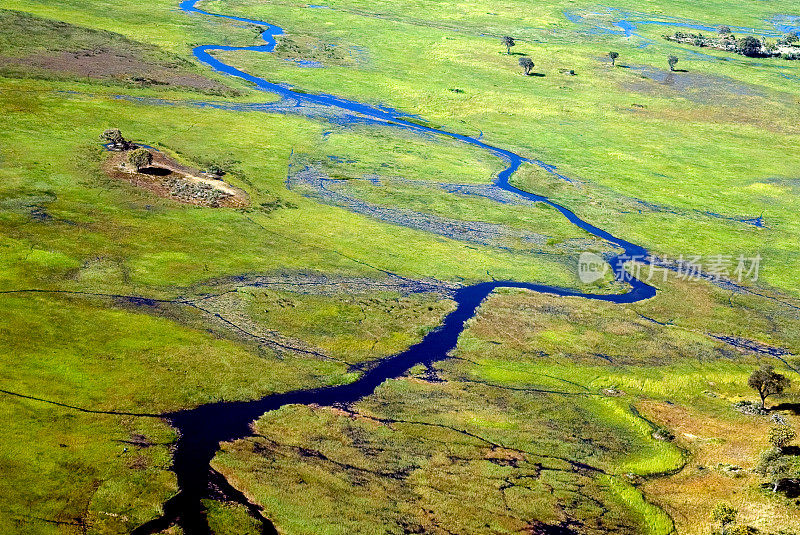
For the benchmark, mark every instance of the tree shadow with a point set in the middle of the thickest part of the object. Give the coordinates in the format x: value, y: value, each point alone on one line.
x: 679, y: 70
x: 793, y: 451
x: 155, y: 171
x: 794, y: 408
x: 538, y: 74
x: 788, y: 487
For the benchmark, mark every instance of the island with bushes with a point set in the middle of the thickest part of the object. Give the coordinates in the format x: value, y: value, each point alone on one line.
x: 787, y: 47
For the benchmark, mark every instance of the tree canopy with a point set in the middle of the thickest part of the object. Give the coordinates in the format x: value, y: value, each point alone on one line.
x: 613, y: 56
x: 767, y: 382
x: 140, y: 158
x: 750, y: 46
x: 672, y: 60
x: 509, y: 42
x: 724, y: 514
x: 527, y: 64
x: 781, y: 436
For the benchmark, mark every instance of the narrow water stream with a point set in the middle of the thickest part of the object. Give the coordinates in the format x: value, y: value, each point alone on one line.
x: 203, y: 428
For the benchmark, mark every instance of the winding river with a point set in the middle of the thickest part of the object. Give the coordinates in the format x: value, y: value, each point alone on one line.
x: 203, y: 428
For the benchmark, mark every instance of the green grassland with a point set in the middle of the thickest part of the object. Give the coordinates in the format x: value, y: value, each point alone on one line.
x: 132, y: 227
x: 546, y: 413
x: 394, y: 153
x: 711, y: 146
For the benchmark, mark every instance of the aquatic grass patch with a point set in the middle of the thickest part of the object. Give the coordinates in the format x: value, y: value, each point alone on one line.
x: 517, y: 241
x: 439, y: 200
x: 137, y: 350
x: 66, y: 469
x: 656, y: 520
x: 432, y: 459
x: 84, y: 354
x: 653, y: 457
x: 350, y: 327
x: 230, y: 519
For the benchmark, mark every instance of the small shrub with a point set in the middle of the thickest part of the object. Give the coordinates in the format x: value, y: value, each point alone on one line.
x: 663, y: 433
x: 749, y: 407
x: 113, y: 136
x: 672, y: 60
x: 220, y: 167
x: 527, y: 64
x: 140, y: 158
x: 731, y: 470
x: 766, y: 459
x: 509, y: 42
x: 781, y: 436
x: 724, y: 514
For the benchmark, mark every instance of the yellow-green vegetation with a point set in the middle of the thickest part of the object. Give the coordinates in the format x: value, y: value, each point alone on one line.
x: 64, y: 469
x: 120, y: 306
x: 399, y: 154
x: 225, y: 519
x: 706, y: 143
x: 501, y: 422
x: 458, y: 457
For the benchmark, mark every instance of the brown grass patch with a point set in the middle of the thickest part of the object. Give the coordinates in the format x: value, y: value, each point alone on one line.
x: 690, y: 495
x: 107, y: 64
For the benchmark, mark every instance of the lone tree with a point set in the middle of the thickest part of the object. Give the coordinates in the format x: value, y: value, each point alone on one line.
x: 724, y: 30
x: 777, y: 471
x: 767, y: 382
x: 113, y: 136
x: 140, y: 158
x: 766, y: 459
x: 509, y: 42
x: 775, y: 466
x: 672, y: 60
x: 613, y: 56
x: 527, y: 64
x: 781, y: 436
x: 750, y: 47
